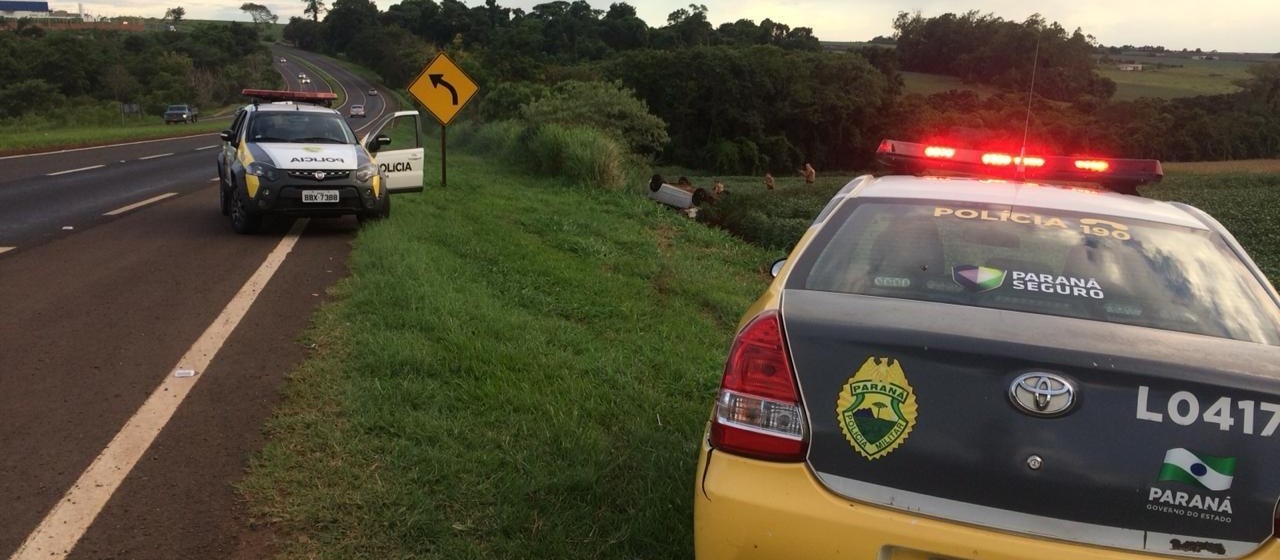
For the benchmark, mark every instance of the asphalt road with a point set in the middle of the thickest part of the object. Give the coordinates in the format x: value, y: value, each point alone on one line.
x: 99, y: 307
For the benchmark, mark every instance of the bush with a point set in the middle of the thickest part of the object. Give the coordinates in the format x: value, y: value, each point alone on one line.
x: 608, y: 107
x: 769, y: 219
x: 581, y: 155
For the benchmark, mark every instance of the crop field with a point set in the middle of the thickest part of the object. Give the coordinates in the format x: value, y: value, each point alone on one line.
x: 1170, y: 76
x: 926, y: 84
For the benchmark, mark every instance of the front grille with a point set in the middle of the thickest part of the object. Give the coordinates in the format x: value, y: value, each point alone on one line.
x: 319, y: 174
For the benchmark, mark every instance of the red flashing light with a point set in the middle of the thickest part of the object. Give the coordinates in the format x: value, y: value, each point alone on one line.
x: 939, y: 152
x: 1006, y: 159
x: 758, y: 412
x: 1095, y: 165
x: 997, y: 159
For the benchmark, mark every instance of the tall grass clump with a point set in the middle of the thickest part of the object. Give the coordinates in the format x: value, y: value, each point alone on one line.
x: 579, y: 155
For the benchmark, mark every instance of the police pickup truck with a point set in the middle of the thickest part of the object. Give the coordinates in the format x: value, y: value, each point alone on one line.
x: 289, y: 154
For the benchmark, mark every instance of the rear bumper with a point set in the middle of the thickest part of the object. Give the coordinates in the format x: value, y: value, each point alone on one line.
x: 750, y: 509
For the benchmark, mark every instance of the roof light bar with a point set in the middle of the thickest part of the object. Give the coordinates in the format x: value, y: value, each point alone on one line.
x: 1122, y: 175
x: 317, y: 97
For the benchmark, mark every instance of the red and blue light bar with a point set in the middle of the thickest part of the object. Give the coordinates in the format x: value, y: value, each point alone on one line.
x: 1123, y: 175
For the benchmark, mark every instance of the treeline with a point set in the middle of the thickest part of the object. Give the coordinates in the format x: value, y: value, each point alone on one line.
x: 989, y: 50
x: 60, y: 74
x: 746, y: 97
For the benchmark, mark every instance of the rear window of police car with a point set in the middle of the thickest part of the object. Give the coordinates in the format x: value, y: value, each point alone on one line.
x: 1043, y: 261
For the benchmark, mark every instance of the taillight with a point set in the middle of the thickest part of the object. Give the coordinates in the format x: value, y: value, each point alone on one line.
x: 758, y: 411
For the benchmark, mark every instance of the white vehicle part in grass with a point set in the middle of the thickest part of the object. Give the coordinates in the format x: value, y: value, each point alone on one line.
x: 674, y: 196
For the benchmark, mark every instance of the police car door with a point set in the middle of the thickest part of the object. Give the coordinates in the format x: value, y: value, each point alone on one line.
x: 401, y: 159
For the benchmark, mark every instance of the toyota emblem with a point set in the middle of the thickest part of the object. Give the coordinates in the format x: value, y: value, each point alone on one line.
x: 1042, y: 394
x: 319, y: 175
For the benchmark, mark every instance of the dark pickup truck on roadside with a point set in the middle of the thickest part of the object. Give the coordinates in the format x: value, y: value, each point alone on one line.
x: 181, y: 114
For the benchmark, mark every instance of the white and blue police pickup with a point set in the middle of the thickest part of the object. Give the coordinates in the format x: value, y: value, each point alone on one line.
x: 287, y: 154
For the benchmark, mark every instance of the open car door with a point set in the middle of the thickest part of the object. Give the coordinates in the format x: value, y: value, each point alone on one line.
x: 396, y: 144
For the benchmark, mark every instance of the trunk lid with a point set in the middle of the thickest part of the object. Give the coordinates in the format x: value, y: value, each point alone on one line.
x: 1166, y: 446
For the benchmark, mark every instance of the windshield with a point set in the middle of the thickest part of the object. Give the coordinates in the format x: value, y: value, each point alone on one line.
x: 176, y: 108
x: 303, y: 127
x: 1046, y: 261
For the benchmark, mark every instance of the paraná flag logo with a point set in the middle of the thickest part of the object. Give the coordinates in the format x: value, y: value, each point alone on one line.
x: 978, y: 278
x: 1207, y: 471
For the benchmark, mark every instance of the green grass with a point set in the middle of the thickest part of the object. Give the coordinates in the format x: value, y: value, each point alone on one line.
x: 1174, y: 76
x: 515, y: 368
x: 927, y: 84
x: 14, y: 141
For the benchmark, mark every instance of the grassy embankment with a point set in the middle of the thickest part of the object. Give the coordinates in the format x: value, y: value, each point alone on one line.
x: 515, y: 368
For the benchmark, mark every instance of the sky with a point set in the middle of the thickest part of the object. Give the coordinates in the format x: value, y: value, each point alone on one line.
x: 1226, y: 25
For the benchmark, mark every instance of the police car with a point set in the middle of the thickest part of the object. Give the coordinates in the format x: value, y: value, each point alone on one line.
x: 289, y: 154
x: 1008, y: 366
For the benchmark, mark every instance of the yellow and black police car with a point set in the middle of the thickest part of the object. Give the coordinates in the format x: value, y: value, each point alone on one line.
x: 1013, y: 366
x: 289, y: 154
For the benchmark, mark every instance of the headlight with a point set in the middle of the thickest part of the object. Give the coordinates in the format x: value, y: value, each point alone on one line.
x: 263, y: 170
x: 366, y: 172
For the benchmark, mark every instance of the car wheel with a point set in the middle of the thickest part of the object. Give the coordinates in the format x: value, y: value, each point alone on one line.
x: 381, y: 213
x: 242, y: 221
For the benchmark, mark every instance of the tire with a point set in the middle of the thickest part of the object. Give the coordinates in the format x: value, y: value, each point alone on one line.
x: 377, y: 214
x: 243, y: 221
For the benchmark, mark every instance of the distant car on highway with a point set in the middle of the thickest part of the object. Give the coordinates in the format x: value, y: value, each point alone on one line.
x: 302, y: 75
x: 305, y: 81
x: 373, y: 92
x: 289, y: 154
x: 283, y: 60
x: 357, y: 111
x: 181, y: 114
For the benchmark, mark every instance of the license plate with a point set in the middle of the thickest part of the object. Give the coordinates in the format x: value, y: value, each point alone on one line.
x: 319, y: 196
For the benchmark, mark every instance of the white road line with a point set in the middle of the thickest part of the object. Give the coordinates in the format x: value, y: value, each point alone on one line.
x: 136, y: 205
x: 67, y: 522
x: 6, y: 249
x: 206, y: 148
x: 155, y: 156
x: 213, y: 180
x: 106, y: 146
x: 75, y: 170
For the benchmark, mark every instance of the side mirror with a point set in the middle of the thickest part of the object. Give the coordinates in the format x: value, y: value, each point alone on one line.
x: 776, y: 269
x: 378, y: 142
x: 225, y: 135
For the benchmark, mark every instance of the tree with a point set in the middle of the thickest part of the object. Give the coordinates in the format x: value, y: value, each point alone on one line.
x: 261, y: 14
x: 175, y: 14
x: 314, y: 7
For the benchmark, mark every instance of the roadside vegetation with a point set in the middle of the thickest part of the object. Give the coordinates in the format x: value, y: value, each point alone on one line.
x: 516, y: 367
x: 37, y: 138
x: 75, y: 84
